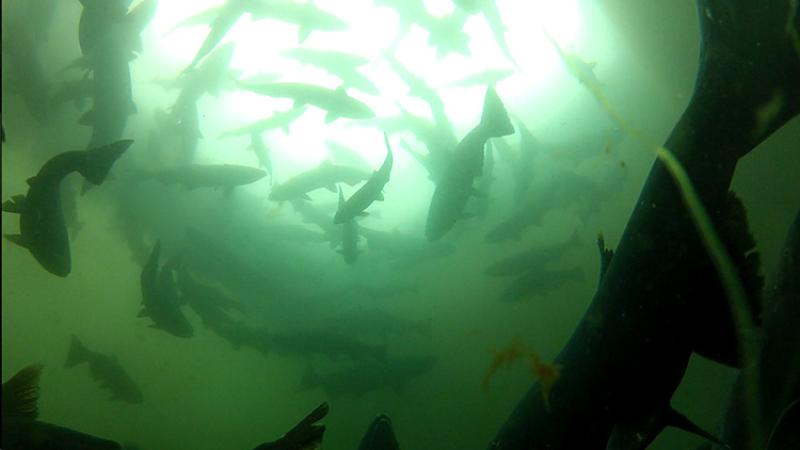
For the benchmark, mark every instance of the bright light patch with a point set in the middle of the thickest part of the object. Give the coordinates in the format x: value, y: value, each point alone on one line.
x: 372, y: 31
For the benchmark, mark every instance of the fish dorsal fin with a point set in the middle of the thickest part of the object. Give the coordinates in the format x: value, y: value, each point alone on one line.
x: 31, y: 180
x: 21, y: 394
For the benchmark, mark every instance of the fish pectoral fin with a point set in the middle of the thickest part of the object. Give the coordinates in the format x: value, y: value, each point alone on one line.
x: 379, y: 197
x: 18, y: 239
x: 637, y: 434
x: 468, y: 215
x: 306, y: 197
x: 330, y: 117
x: 363, y: 214
x: 16, y: 204
x: 678, y: 420
x: 142, y: 313
x: 332, y: 188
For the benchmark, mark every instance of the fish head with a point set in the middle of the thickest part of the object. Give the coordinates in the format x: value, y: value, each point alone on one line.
x: 380, y: 435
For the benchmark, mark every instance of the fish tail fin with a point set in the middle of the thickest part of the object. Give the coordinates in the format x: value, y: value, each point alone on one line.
x: 99, y: 160
x: 494, y: 119
x: 21, y: 394
x: 77, y: 354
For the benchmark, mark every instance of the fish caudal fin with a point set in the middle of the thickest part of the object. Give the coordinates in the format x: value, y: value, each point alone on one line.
x: 77, y: 353
x: 99, y: 160
x: 494, y: 119
x: 21, y: 394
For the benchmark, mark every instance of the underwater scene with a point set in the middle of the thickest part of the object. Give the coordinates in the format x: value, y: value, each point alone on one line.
x: 400, y: 224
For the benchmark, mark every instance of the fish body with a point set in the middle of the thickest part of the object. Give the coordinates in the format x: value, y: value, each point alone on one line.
x: 306, y: 16
x: 225, y: 176
x: 534, y: 258
x: 326, y: 175
x: 456, y: 184
x: 43, y: 230
x: 539, y: 281
x: 330, y: 345
x: 371, y: 191
x: 279, y: 120
x: 158, y: 302
x: 350, y: 236
x: 335, y: 102
x: 226, y: 17
x: 107, y: 370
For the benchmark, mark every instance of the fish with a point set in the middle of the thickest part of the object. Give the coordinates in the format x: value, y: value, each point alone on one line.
x: 109, y: 39
x: 405, y: 251
x: 262, y: 153
x: 377, y: 322
x: 335, y: 102
x: 331, y: 60
x: 23, y: 69
x: 350, y: 236
x: 326, y: 175
x: 534, y: 258
x: 306, y: 435
x: 485, y: 181
x: 529, y: 148
x: 339, y: 64
x: 158, y: 302
x: 456, y: 185
x: 214, y: 309
x: 539, y: 281
x: 313, y: 215
x: 445, y: 34
x: 42, y: 225
x: 279, y: 120
x: 76, y: 91
x: 379, y: 435
x: 23, y: 431
x: 208, y: 78
x: 328, y: 344
x: 306, y: 16
x: 224, y: 19
x: 105, y: 369
x: 370, y: 192
x: 658, y: 335
x: 369, y: 376
x: 224, y: 176
x: 488, y: 8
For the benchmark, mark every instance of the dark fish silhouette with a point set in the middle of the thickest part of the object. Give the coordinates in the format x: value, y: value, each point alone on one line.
x: 42, y: 228
x: 22, y: 430
x: 107, y: 370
